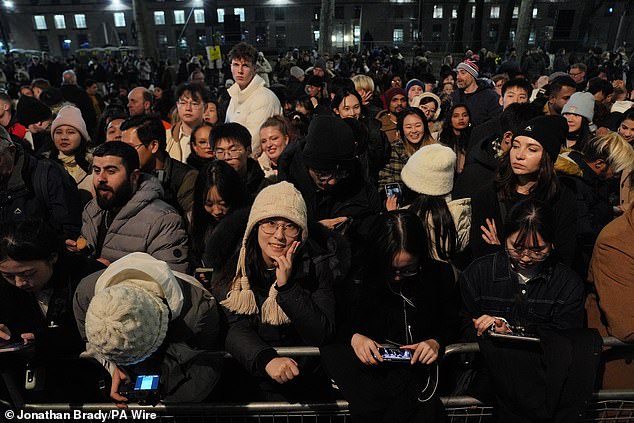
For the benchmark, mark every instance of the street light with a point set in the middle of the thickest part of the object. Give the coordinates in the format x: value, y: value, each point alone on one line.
x: 8, y: 4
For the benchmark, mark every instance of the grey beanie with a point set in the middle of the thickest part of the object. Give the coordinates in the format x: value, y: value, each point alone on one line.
x: 581, y: 104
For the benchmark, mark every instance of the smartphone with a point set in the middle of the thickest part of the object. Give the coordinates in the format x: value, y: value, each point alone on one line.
x: 514, y: 336
x: 393, y: 190
x: 146, y: 383
x: 395, y: 354
x: 144, y: 390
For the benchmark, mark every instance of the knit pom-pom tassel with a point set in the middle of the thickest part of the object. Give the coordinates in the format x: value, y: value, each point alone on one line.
x: 272, y: 313
x: 240, y: 298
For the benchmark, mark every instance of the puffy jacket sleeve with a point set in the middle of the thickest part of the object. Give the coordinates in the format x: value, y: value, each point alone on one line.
x: 245, y: 345
x: 168, y: 241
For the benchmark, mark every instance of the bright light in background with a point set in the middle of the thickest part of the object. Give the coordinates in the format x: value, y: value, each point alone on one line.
x: 346, y: 38
x: 116, y: 3
x: 197, y: 3
x: 8, y: 4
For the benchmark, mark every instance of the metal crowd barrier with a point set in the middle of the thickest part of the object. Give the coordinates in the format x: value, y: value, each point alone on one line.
x: 607, y: 405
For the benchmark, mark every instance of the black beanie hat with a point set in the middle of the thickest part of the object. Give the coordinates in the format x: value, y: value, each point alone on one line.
x: 549, y: 131
x: 329, y: 144
x: 52, y: 96
x: 315, y: 81
x: 31, y: 110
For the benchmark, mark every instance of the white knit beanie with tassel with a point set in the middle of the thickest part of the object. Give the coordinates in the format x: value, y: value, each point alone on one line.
x: 279, y: 200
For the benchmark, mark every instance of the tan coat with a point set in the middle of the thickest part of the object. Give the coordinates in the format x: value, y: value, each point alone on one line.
x: 611, y: 306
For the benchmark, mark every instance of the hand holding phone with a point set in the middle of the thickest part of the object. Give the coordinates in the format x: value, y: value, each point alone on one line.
x: 396, y: 355
x: 143, y: 390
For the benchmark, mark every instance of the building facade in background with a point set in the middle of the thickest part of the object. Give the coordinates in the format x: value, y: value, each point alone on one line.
x: 61, y: 27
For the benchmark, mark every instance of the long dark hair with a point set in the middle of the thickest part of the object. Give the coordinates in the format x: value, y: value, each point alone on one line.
x: 545, y: 188
x: 447, y: 136
x: 444, y: 230
x: 399, y: 230
x: 230, y: 188
x: 582, y: 136
x: 27, y: 241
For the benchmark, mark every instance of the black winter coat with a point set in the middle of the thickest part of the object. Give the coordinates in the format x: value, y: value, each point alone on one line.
x: 480, y: 168
x: 593, y: 206
x: 40, y: 188
x: 354, y: 197
x: 307, y: 299
x: 485, y: 204
x: 484, y: 103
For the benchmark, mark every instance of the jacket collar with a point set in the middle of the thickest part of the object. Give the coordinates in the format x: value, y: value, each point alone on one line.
x: 242, y: 95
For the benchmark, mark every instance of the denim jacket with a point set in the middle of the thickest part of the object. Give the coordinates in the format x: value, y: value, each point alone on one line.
x: 554, y: 299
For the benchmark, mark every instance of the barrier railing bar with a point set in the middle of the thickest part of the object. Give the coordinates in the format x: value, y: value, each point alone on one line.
x: 458, y: 348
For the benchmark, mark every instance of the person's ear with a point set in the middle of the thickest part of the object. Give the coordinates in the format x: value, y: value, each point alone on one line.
x: 501, y: 100
x: 600, y: 164
x: 154, y: 146
x: 135, y: 177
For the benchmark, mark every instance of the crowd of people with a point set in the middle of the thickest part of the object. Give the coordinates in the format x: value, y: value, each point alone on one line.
x: 355, y: 203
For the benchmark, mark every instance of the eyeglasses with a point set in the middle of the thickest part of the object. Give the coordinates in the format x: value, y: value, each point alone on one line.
x: 192, y: 104
x: 231, y: 153
x: 270, y: 227
x: 537, y: 255
x: 573, y: 74
x: 327, y: 176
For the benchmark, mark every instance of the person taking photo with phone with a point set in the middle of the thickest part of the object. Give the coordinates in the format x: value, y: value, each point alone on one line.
x: 404, y: 302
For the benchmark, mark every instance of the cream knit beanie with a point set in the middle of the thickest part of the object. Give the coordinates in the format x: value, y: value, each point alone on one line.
x: 126, y: 323
x: 279, y: 200
x: 430, y: 170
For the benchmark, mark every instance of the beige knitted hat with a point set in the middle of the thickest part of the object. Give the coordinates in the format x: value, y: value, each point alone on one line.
x: 279, y: 200
x: 126, y: 323
x: 430, y: 170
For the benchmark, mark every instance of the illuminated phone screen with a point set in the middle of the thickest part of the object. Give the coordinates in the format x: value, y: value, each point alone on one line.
x: 146, y: 383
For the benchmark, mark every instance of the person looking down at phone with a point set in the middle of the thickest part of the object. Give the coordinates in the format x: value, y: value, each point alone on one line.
x: 39, y: 278
x: 525, y: 289
x: 404, y: 303
x: 413, y: 134
x: 277, y: 290
x: 38, y: 281
x: 428, y: 177
x: 139, y: 317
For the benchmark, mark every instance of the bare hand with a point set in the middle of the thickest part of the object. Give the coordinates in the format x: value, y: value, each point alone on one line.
x: 104, y: 261
x: 5, y: 333
x: 331, y: 223
x: 425, y: 352
x: 118, y: 377
x: 365, y: 96
x: 391, y: 203
x: 282, y: 369
x: 28, y: 337
x: 71, y: 245
x: 490, y: 233
x: 367, y: 350
x: 484, y: 322
x: 284, y: 264
x: 618, y: 83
